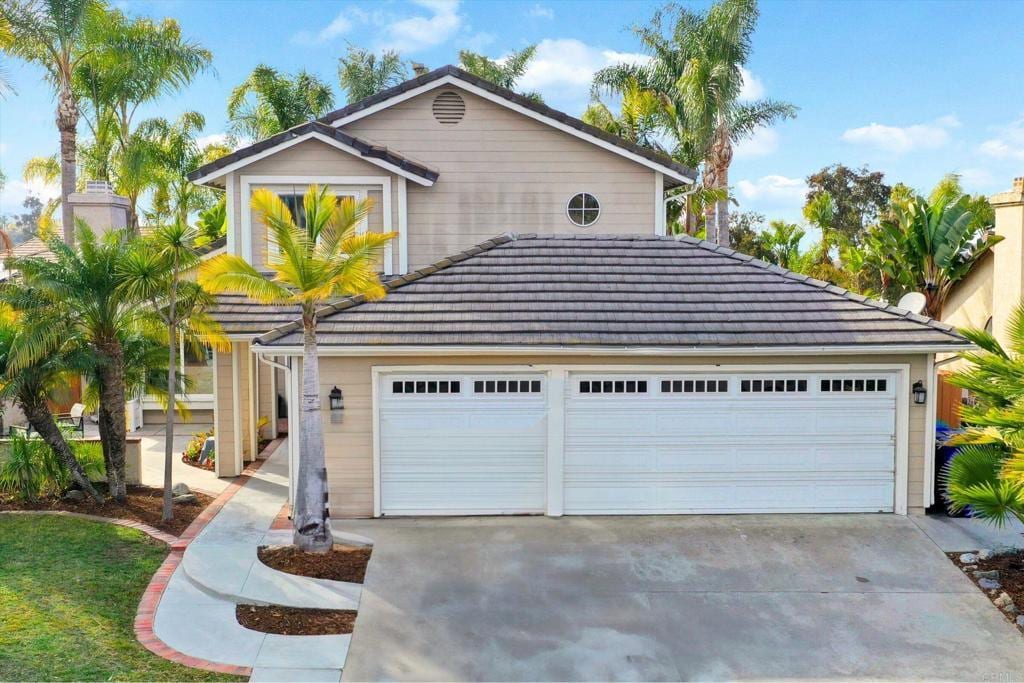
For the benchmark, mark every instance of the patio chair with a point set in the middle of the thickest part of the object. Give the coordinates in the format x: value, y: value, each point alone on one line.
x: 74, y: 419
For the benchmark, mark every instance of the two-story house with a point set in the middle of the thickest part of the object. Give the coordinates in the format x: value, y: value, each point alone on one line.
x: 546, y: 348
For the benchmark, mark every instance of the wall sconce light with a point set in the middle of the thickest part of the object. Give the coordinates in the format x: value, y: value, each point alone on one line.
x: 337, y: 403
x: 919, y: 393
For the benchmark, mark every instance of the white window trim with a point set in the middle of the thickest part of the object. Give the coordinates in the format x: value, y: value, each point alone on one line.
x: 247, y: 182
x: 600, y: 209
x: 557, y: 375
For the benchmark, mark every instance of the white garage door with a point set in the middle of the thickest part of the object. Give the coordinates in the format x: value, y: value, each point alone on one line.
x: 725, y: 443
x: 462, y: 443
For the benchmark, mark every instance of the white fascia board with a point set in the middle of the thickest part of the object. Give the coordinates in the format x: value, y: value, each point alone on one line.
x: 525, y: 111
x: 312, y: 135
x: 649, y: 351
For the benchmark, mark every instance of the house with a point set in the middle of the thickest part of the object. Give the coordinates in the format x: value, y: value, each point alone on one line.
x: 546, y: 348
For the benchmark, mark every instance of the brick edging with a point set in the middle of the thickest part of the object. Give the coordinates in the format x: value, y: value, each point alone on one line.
x: 146, y: 613
x: 152, y: 532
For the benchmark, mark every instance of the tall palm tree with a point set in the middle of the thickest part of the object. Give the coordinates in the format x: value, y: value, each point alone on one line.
x: 269, y: 102
x: 362, y: 73
x: 325, y: 259
x: 6, y: 40
x: 53, y: 34
x: 641, y: 117
x: 696, y: 70
x: 80, y: 294
x: 154, y: 271
x: 504, y: 73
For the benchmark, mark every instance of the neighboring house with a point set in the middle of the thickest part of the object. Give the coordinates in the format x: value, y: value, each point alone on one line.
x: 546, y: 348
x: 985, y: 299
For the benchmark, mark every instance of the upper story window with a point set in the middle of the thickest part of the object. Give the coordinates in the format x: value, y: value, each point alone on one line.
x: 583, y: 209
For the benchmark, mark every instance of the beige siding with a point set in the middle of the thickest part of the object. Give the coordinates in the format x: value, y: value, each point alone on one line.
x: 224, y: 425
x: 350, y: 444
x: 310, y: 158
x: 502, y: 171
x: 265, y: 397
x: 245, y: 359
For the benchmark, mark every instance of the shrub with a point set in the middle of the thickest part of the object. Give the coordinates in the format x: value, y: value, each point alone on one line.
x: 194, y: 449
x: 33, y: 469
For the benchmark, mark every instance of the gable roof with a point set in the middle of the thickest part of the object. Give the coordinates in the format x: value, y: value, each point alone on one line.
x: 615, y: 291
x: 378, y: 155
x: 452, y: 75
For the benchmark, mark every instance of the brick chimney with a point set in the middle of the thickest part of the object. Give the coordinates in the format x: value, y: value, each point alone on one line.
x: 100, y: 207
x: 420, y: 69
x: 1008, y: 270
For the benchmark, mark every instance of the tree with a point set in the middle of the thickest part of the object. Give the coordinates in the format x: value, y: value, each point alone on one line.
x: 326, y: 258
x: 212, y: 223
x: 745, y: 228
x: 505, y: 73
x: 780, y: 244
x: 987, y: 473
x: 362, y: 73
x: 79, y: 294
x: 154, y: 271
x: 52, y: 34
x: 820, y: 211
x: 696, y: 72
x: 269, y: 102
x: 640, y: 119
x: 860, y: 198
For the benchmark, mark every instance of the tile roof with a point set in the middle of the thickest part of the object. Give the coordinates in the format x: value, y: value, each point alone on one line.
x: 239, y: 315
x: 617, y: 291
x: 366, y: 149
x: 515, y: 98
x: 33, y: 247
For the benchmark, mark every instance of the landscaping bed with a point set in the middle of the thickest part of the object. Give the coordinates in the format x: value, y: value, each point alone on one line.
x: 295, y: 621
x: 69, y: 590
x: 342, y: 563
x: 1000, y: 577
x: 144, y: 504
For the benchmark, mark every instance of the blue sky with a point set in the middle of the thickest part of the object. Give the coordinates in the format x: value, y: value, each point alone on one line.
x: 914, y: 89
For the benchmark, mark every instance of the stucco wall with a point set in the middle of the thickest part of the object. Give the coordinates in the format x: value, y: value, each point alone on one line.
x: 350, y: 444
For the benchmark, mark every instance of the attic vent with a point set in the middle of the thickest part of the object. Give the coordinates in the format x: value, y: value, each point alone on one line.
x: 449, y: 108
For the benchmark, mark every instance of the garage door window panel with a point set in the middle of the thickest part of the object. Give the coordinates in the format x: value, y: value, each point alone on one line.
x: 421, y: 387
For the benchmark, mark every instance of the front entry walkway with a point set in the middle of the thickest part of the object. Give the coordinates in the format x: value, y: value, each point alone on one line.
x: 671, y: 598
x: 220, y: 569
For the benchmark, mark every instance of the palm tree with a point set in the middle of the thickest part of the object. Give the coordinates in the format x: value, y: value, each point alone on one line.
x: 820, y: 211
x: 362, y: 73
x: 641, y: 116
x: 696, y: 71
x: 269, y: 102
x: 505, y: 73
x: 53, y: 34
x: 987, y: 473
x: 6, y: 40
x: 79, y: 294
x: 327, y: 258
x: 780, y: 244
x: 155, y: 271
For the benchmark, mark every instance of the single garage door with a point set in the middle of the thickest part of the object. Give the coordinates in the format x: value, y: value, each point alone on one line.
x: 462, y: 443
x: 729, y: 443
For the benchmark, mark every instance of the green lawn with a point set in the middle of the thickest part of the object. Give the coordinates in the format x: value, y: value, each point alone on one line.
x: 69, y: 589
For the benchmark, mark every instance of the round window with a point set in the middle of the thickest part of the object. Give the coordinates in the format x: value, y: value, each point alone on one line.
x: 583, y: 209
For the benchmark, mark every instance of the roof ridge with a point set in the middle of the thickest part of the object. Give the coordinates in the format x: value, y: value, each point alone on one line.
x: 391, y: 285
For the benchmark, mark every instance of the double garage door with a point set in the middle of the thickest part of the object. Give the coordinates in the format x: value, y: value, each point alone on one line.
x: 461, y: 443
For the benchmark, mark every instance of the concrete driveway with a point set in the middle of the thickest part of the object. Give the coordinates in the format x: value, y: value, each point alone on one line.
x: 671, y: 598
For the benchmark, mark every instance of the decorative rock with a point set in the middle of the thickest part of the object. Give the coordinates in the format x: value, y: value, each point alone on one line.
x: 1020, y: 621
x: 1003, y: 600
x: 186, y: 499
x: 968, y: 558
x: 74, y: 496
x: 991, y: 574
x: 1011, y: 610
x: 989, y: 584
x: 985, y: 554
x: 180, y: 489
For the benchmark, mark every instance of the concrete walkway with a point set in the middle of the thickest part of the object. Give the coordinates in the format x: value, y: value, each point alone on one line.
x: 959, y: 534
x: 152, y: 473
x: 219, y: 569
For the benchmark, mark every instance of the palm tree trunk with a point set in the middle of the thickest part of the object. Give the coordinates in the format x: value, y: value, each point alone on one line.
x: 41, y: 419
x: 310, y: 517
x: 67, y: 122
x: 172, y: 368
x: 113, y: 430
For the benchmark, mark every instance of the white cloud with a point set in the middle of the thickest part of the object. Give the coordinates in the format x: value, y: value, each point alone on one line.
x: 539, y: 11
x: 903, y: 139
x: 212, y: 139
x: 412, y: 34
x: 976, y: 178
x: 753, y: 88
x: 773, y: 190
x: 338, y: 27
x: 563, y: 68
x: 16, y: 189
x: 762, y: 142
x: 479, y: 41
x: 1008, y: 143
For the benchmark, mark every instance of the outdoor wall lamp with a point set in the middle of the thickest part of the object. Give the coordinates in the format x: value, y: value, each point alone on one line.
x: 337, y: 403
x: 919, y: 393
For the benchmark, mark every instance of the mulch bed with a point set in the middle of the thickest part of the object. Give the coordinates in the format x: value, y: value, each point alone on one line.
x: 144, y: 504
x: 208, y: 465
x: 1011, y: 575
x: 295, y: 621
x: 343, y: 563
